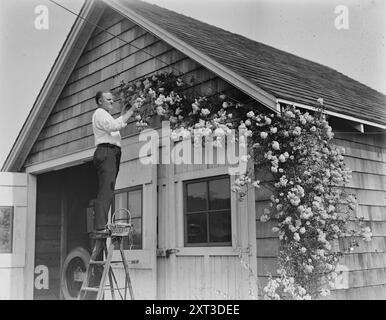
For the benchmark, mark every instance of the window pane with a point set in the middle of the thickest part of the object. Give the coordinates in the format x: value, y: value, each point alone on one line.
x: 220, y: 226
x: 196, y: 228
x: 131, y: 200
x: 219, y: 194
x: 6, y: 230
x: 196, y: 197
x: 120, y: 202
x: 5, y: 217
x: 135, y: 203
x: 5, y: 241
x: 137, y: 239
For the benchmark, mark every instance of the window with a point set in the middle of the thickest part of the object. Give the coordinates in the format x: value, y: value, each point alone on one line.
x: 6, y: 227
x: 131, y: 199
x: 207, y: 212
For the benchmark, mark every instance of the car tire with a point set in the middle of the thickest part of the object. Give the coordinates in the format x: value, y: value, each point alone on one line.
x: 77, y: 260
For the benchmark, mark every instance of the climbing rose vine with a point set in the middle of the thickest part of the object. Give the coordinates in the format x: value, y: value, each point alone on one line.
x: 309, y: 204
x: 294, y: 157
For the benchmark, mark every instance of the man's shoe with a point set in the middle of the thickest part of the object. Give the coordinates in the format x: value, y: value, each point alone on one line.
x: 103, y: 232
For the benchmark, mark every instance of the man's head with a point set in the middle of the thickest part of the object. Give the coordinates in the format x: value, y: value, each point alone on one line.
x: 105, y: 100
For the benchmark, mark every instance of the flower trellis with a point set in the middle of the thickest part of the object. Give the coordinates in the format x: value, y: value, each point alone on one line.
x: 307, y: 172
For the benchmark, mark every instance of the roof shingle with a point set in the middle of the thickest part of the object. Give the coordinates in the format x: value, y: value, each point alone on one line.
x: 280, y: 73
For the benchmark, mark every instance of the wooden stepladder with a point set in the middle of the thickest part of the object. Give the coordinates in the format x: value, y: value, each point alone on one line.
x: 95, y: 282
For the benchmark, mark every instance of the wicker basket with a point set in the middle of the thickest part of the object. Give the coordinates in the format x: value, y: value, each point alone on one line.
x: 121, y: 227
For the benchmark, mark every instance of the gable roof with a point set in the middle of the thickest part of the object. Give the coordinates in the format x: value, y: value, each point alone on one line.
x: 277, y: 72
x: 261, y: 71
x: 61, y: 70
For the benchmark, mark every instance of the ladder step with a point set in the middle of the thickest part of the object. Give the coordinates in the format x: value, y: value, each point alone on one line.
x: 128, y: 261
x: 108, y: 273
x: 92, y: 289
x: 109, y: 289
x: 101, y: 263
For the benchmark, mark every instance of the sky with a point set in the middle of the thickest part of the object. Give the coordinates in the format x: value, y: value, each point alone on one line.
x: 302, y: 27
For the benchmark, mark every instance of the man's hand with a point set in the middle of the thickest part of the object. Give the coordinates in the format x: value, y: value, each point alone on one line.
x: 127, y: 114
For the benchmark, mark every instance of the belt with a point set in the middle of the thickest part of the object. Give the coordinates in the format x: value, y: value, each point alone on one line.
x: 109, y: 145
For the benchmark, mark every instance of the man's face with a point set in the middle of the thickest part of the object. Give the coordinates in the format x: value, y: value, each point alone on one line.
x: 107, y: 101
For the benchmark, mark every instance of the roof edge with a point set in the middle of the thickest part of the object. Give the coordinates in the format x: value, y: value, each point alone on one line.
x: 334, y: 114
x: 48, y: 84
x: 267, y: 99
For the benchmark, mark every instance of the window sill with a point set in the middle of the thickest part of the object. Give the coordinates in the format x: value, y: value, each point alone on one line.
x: 207, y: 251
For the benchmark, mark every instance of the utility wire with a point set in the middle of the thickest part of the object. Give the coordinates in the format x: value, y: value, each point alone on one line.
x: 112, y: 34
x: 130, y: 44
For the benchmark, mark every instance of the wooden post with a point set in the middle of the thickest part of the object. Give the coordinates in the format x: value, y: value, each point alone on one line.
x: 29, y: 274
x: 63, y: 232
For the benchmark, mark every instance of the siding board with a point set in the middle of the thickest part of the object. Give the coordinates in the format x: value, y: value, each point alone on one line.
x: 365, y: 155
x: 377, y: 140
x: 366, y: 165
x: 372, y: 212
x: 106, y: 61
x: 355, y: 149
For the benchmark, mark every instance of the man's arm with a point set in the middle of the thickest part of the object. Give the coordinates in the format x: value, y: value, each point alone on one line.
x: 126, y: 116
x: 103, y: 120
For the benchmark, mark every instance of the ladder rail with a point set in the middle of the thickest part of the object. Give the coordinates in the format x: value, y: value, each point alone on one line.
x: 106, y: 270
x: 111, y: 283
x: 107, y: 256
x: 117, y: 286
x: 127, y: 277
x: 98, y: 246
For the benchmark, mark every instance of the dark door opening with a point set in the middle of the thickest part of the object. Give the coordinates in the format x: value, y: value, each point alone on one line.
x: 61, y: 225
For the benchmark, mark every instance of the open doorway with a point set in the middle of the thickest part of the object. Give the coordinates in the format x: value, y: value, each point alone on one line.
x: 63, y: 197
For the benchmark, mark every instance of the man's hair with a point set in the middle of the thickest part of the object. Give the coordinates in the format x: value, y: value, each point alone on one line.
x: 99, y: 95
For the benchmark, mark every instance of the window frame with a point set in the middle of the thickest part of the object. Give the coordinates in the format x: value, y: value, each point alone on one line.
x: 11, y: 228
x: 208, y: 244
x: 127, y: 190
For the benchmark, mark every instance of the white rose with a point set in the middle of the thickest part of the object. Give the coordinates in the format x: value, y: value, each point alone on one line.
x: 219, y: 132
x: 275, y: 145
x: 250, y: 114
x: 263, y: 135
x: 264, y: 218
x: 256, y: 184
x: 282, y: 158
x: 308, y: 268
x: 297, y: 131
x: 205, y: 112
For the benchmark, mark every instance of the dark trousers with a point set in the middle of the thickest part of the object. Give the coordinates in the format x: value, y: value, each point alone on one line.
x: 106, y: 160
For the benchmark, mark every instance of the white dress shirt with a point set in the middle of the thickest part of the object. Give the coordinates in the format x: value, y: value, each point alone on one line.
x: 106, y: 128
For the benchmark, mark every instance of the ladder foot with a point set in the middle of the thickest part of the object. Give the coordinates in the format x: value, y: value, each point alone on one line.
x: 99, y: 275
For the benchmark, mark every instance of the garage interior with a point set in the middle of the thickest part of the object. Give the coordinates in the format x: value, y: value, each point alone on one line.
x: 63, y: 199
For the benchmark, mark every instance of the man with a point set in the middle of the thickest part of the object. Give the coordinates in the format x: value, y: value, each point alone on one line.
x: 107, y: 155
